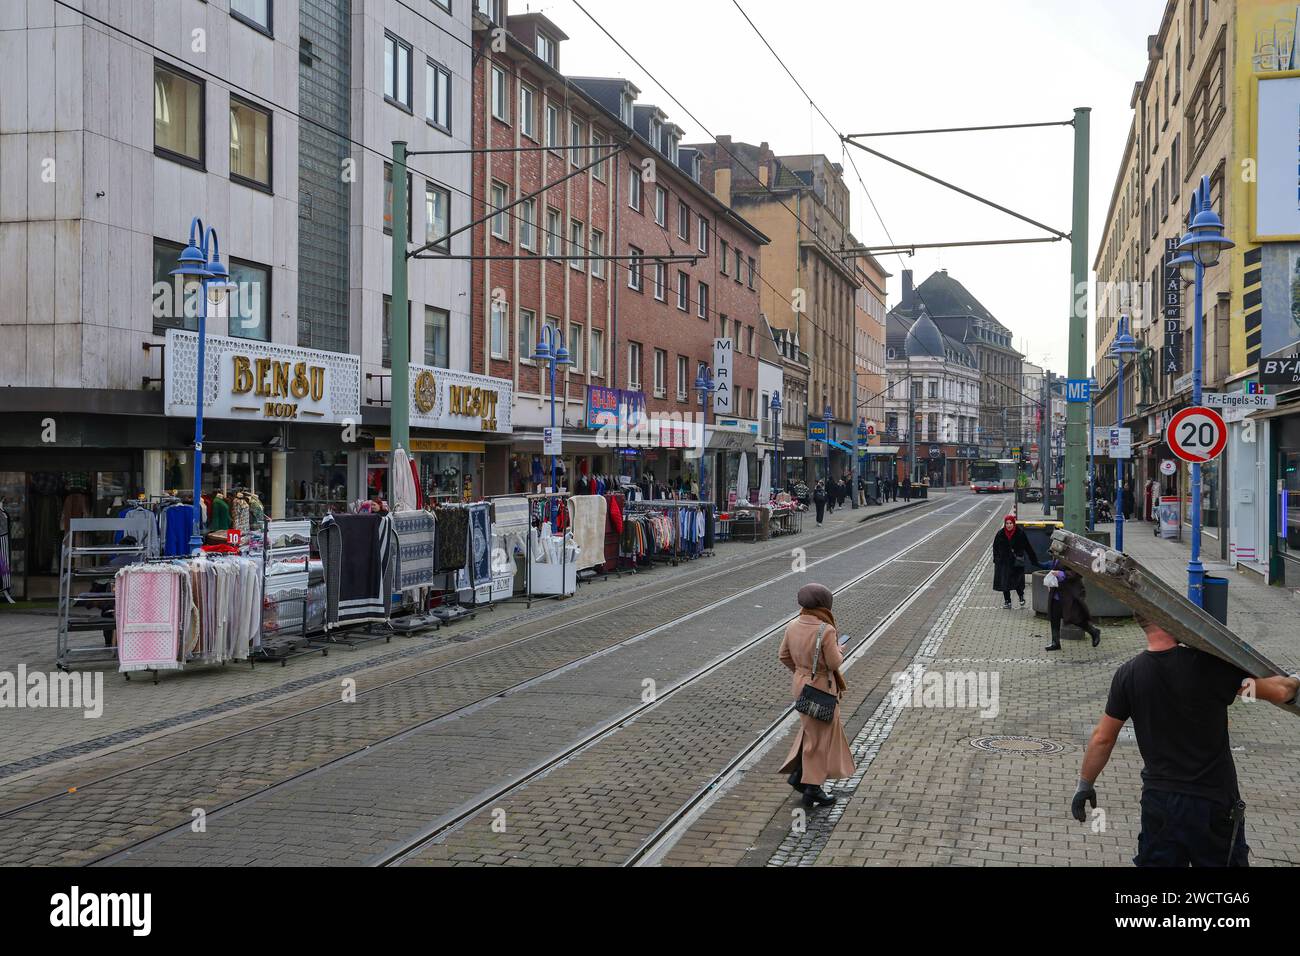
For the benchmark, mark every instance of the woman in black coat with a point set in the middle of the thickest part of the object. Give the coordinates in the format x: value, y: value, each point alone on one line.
x: 1012, y: 556
x: 1069, y: 605
x: 819, y: 499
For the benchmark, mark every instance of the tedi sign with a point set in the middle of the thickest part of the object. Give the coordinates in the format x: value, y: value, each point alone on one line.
x: 76, y: 909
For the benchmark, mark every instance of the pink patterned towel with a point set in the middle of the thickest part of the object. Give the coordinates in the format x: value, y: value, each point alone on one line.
x: 148, y: 618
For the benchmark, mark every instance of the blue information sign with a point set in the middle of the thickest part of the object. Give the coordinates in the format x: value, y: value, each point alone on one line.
x: 1077, y: 390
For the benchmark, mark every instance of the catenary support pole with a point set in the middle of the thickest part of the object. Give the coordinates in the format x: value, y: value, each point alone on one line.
x: 1045, y: 442
x: 1078, y: 332
x: 399, y: 346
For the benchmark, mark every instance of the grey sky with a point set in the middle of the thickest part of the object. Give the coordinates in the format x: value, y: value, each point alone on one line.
x: 874, y: 66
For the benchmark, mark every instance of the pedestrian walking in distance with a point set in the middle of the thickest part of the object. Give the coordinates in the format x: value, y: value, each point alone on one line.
x: 1177, y: 698
x: 811, y: 650
x: 907, y: 488
x: 1068, y: 604
x: 819, y: 499
x: 1012, y: 556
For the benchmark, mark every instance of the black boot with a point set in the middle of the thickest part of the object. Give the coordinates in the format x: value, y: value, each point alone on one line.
x: 793, y: 780
x: 1095, y: 631
x: 1056, y: 641
x: 816, y: 796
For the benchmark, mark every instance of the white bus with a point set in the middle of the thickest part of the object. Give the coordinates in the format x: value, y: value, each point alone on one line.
x: 993, y: 475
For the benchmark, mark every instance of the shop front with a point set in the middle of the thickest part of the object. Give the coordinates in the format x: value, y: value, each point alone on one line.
x: 733, y: 444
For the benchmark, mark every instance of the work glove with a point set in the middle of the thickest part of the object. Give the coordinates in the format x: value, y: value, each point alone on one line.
x: 1086, y: 793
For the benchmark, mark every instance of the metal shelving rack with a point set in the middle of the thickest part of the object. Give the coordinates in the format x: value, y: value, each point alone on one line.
x: 88, y: 563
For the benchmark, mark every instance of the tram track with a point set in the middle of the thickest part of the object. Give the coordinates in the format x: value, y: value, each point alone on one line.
x: 449, y: 823
x: 654, y: 594
x: 124, y: 854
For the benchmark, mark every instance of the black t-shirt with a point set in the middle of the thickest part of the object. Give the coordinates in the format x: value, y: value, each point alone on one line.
x: 1178, y: 700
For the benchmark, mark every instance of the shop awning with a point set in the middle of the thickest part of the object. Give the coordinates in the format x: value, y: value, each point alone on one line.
x: 840, y: 445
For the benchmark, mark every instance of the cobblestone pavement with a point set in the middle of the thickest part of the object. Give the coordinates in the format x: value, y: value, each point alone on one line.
x: 392, y: 700
x: 139, y: 709
x: 948, y: 785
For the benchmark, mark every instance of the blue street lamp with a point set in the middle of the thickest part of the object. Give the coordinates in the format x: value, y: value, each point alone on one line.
x: 705, y: 386
x: 551, y: 351
x: 776, y: 439
x: 1092, y: 452
x: 214, y: 281
x: 1123, y: 347
x: 1199, y: 249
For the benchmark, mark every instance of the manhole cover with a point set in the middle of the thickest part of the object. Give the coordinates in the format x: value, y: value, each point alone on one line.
x: 1023, y: 746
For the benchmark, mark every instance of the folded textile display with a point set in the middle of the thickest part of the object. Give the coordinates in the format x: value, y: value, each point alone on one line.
x: 452, y: 537
x: 588, y: 512
x: 416, y: 549
x: 510, y: 521
x: 355, y: 552
x: 480, y: 535
x: 149, y: 617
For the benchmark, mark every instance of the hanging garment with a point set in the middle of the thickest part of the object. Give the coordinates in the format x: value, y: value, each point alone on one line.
x: 178, y: 528
x: 510, y: 521
x: 417, y: 555
x: 616, y: 513
x: 148, y: 617
x: 480, y: 536
x: 75, y: 505
x: 240, y: 513
x: 220, y: 514
x: 452, y: 537
x: 589, y: 529
x: 415, y: 477
x: 142, y: 525
x: 355, y: 552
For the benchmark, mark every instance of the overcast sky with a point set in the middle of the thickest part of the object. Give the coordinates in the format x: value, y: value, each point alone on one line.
x: 875, y: 66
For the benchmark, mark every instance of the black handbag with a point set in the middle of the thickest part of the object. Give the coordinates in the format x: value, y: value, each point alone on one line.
x: 813, y: 701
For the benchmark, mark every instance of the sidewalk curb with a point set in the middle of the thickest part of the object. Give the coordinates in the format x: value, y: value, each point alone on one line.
x: 894, y: 511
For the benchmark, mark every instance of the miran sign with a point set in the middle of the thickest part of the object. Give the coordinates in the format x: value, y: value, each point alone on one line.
x: 445, y: 398
x: 261, y: 381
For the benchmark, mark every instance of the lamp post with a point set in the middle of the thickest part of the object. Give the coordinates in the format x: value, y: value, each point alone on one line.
x: 551, y: 351
x: 1092, y: 451
x: 776, y: 438
x: 214, y: 281
x: 827, y: 414
x: 705, y: 386
x: 1199, y: 250
x: 1123, y: 347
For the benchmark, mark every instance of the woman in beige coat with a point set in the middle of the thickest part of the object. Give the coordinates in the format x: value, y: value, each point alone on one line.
x: 821, y: 750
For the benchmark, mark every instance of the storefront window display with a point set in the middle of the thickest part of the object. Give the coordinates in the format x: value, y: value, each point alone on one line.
x: 318, y: 484
x: 1288, y: 467
x: 222, y: 471
x: 447, y: 476
x: 1209, y: 497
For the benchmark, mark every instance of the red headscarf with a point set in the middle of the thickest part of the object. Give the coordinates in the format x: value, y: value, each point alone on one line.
x: 1009, y: 532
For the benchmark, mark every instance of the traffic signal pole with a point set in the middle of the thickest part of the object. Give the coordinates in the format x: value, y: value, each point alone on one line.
x: 1076, y: 415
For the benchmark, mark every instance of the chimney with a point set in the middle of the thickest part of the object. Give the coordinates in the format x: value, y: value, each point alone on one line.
x: 909, y: 294
x: 722, y: 184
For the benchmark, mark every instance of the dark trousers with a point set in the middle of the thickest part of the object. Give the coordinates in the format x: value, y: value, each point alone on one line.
x: 1006, y: 595
x: 821, y: 511
x: 1182, y: 830
x: 1054, y: 613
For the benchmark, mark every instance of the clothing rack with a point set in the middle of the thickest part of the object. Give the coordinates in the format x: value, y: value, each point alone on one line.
x: 6, y: 568
x: 670, y: 506
x: 287, y: 543
x: 83, y: 560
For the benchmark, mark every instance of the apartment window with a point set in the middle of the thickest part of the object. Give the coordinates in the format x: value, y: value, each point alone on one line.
x: 527, y: 112
x: 388, y: 203
x: 437, y: 216
x: 577, y: 152
x: 1175, y: 170
x: 437, y: 96
x: 500, y: 95
x: 177, y: 115
x: 684, y: 221
x: 634, y: 267
x: 597, y: 352
x: 654, y: 133
x: 500, y: 222
x: 597, y: 145
x: 577, y: 244
x: 634, y: 365
x: 1178, y: 70
x: 575, y: 345
x: 397, y: 71
x: 1206, y: 104
x: 598, y: 250
x: 661, y: 373
x: 499, y: 330
x: 527, y: 225
x: 683, y: 363
x: 749, y: 339
x: 725, y: 258
x: 488, y: 8
x: 702, y: 306
x: 634, y: 187
x: 661, y: 281
x: 751, y: 271
x: 172, y: 310
x: 661, y: 205
x: 437, y: 330
x: 683, y: 291
x: 738, y: 264
x: 545, y: 49
x: 704, y: 235
x: 554, y: 232
x: 256, y: 13
x: 528, y: 335
x: 933, y: 389
x: 250, y: 144
x: 553, y: 126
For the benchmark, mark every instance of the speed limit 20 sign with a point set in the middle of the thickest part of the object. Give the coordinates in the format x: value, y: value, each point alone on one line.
x: 1197, y: 434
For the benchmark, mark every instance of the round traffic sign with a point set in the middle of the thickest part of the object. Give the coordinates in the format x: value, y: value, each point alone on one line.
x: 1197, y: 434
x: 1167, y: 467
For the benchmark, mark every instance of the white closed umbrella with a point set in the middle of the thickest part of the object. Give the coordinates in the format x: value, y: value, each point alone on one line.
x: 403, y: 482
x: 742, y: 479
x: 765, y: 481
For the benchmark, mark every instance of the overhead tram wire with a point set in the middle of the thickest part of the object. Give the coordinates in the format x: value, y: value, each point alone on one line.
x: 267, y: 102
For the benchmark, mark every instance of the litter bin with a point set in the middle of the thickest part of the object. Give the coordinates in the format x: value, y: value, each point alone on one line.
x: 1214, y: 597
x: 1039, y: 532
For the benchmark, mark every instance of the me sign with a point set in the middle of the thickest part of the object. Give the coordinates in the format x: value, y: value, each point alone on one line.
x: 1077, y: 391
